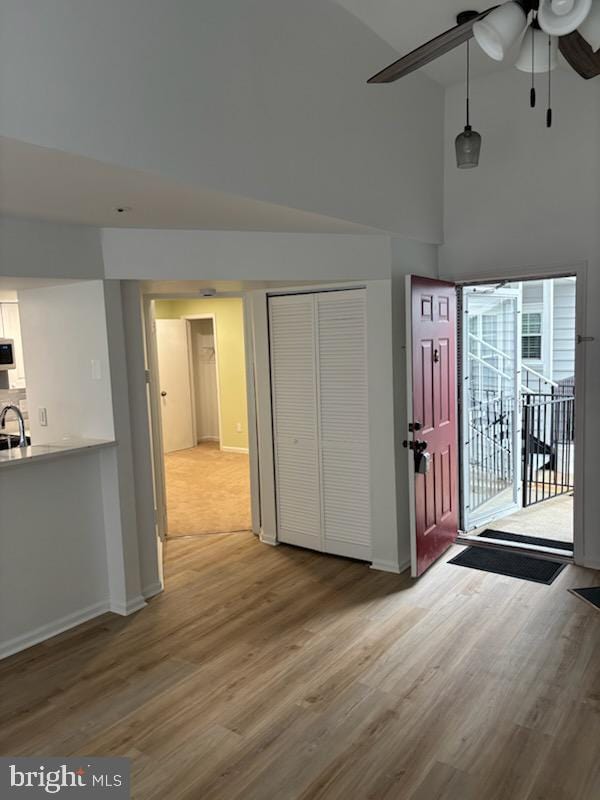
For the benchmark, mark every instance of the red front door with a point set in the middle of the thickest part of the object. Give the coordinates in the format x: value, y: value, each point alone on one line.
x: 432, y: 419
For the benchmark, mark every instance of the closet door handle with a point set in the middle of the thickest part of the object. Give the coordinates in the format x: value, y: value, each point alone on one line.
x: 163, y: 394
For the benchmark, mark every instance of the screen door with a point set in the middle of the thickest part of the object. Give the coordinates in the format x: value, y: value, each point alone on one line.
x: 490, y: 393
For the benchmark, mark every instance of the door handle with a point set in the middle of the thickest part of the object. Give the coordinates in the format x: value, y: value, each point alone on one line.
x: 419, y: 445
x: 163, y: 394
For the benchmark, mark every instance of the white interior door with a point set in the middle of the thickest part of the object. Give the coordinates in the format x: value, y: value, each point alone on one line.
x: 172, y: 340
x: 341, y: 319
x: 295, y: 427
x: 320, y: 421
x: 491, y: 404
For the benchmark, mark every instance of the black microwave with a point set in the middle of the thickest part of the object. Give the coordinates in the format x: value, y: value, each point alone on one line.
x: 7, y: 354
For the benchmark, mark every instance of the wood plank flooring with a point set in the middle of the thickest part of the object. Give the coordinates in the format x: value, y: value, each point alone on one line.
x: 280, y: 674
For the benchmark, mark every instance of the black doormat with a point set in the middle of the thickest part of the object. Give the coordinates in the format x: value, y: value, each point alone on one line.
x: 591, y: 594
x: 514, y: 565
x: 517, y: 537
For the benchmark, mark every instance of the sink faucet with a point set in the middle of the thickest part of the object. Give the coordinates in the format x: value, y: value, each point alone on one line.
x: 17, y: 411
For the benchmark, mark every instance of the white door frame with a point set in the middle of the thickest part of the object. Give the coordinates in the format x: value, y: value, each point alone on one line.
x: 190, y: 318
x: 539, y: 272
x: 156, y: 438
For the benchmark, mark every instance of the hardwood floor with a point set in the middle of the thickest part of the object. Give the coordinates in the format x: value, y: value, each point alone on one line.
x: 279, y: 674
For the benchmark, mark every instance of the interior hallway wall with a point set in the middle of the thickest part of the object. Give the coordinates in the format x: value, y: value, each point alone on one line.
x: 533, y: 203
x: 229, y: 320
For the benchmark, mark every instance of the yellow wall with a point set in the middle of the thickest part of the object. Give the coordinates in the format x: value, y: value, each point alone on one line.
x: 229, y: 319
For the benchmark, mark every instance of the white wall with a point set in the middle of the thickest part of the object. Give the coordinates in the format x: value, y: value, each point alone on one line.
x: 64, y: 330
x: 35, y: 249
x: 533, y: 204
x: 53, y: 569
x: 265, y: 99
x: 233, y: 255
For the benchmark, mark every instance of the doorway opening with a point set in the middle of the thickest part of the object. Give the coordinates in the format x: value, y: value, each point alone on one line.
x: 517, y: 388
x: 201, y: 360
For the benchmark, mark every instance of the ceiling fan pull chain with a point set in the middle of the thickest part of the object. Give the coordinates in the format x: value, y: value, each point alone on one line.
x: 532, y: 91
x: 549, y: 110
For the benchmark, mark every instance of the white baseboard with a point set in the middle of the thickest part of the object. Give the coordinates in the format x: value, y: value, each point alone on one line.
x: 53, y: 628
x: 589, y: 564
x: 226, y: 449
x: 130, y: 607
x: 152, y: 590
x: 390, y: 566
x: 270, y: 540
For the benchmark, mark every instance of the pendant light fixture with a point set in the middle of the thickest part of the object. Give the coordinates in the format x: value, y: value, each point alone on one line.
x: 467, y: 143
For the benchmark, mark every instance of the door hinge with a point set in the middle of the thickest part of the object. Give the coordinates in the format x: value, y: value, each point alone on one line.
x: 147, y: 375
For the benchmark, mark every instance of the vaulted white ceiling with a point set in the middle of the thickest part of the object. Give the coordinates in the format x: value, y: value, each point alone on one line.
x: 47, y: 184
x: 406, y: 24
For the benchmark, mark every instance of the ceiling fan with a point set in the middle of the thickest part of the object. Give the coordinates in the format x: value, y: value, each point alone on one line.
x: 576, y: 24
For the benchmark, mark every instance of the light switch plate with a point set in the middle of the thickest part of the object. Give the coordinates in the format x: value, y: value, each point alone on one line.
x: 96, y: 370
x: 43, y: 417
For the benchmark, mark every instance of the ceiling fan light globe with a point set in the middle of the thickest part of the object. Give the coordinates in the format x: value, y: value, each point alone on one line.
x: 561, y: 24
x: 590, y: 27
x: 500, y: 29
x: 540, y: 52
x: 562, y: 7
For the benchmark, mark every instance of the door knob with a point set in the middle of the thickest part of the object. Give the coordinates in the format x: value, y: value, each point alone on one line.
x: 163, y: 394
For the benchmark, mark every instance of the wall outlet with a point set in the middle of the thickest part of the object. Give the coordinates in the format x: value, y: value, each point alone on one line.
x: 238, y: 427
x: 43, y: 417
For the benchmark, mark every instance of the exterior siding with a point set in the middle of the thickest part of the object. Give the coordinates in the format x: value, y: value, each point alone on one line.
x: 563, y: 341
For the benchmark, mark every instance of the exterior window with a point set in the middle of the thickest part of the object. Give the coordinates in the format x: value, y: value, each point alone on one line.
x: 532, y: 335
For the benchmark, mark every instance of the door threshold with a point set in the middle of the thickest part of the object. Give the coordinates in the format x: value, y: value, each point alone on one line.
x: 539, y: 551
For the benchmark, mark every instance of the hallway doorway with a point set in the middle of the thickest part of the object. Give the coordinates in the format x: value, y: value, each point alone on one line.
x: 204, y: 418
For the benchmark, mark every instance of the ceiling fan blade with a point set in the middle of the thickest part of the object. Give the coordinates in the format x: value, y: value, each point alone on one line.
x: 580, y: 55
x: 429, y: 51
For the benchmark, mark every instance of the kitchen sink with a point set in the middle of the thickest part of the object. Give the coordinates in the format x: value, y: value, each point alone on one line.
x: 8, y: 441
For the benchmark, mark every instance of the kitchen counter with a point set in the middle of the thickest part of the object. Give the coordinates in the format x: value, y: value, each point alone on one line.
x: 41, y: 452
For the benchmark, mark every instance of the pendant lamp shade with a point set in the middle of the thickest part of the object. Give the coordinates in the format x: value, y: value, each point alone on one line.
x: 468, y: 146
x: 590, y: 27
x: 560, y: 17
x: 538, y: 60
x: 500, y: 29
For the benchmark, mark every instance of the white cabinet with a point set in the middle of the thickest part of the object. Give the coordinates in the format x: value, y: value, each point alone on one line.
x: 10, y: 328
x: 320, y: 421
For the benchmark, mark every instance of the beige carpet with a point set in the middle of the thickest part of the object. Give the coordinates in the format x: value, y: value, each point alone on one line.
x: 208, y: 491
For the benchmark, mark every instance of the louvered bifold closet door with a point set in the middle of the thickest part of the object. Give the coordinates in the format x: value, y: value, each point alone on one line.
x: 295, y: 432
x: 344, y: 422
